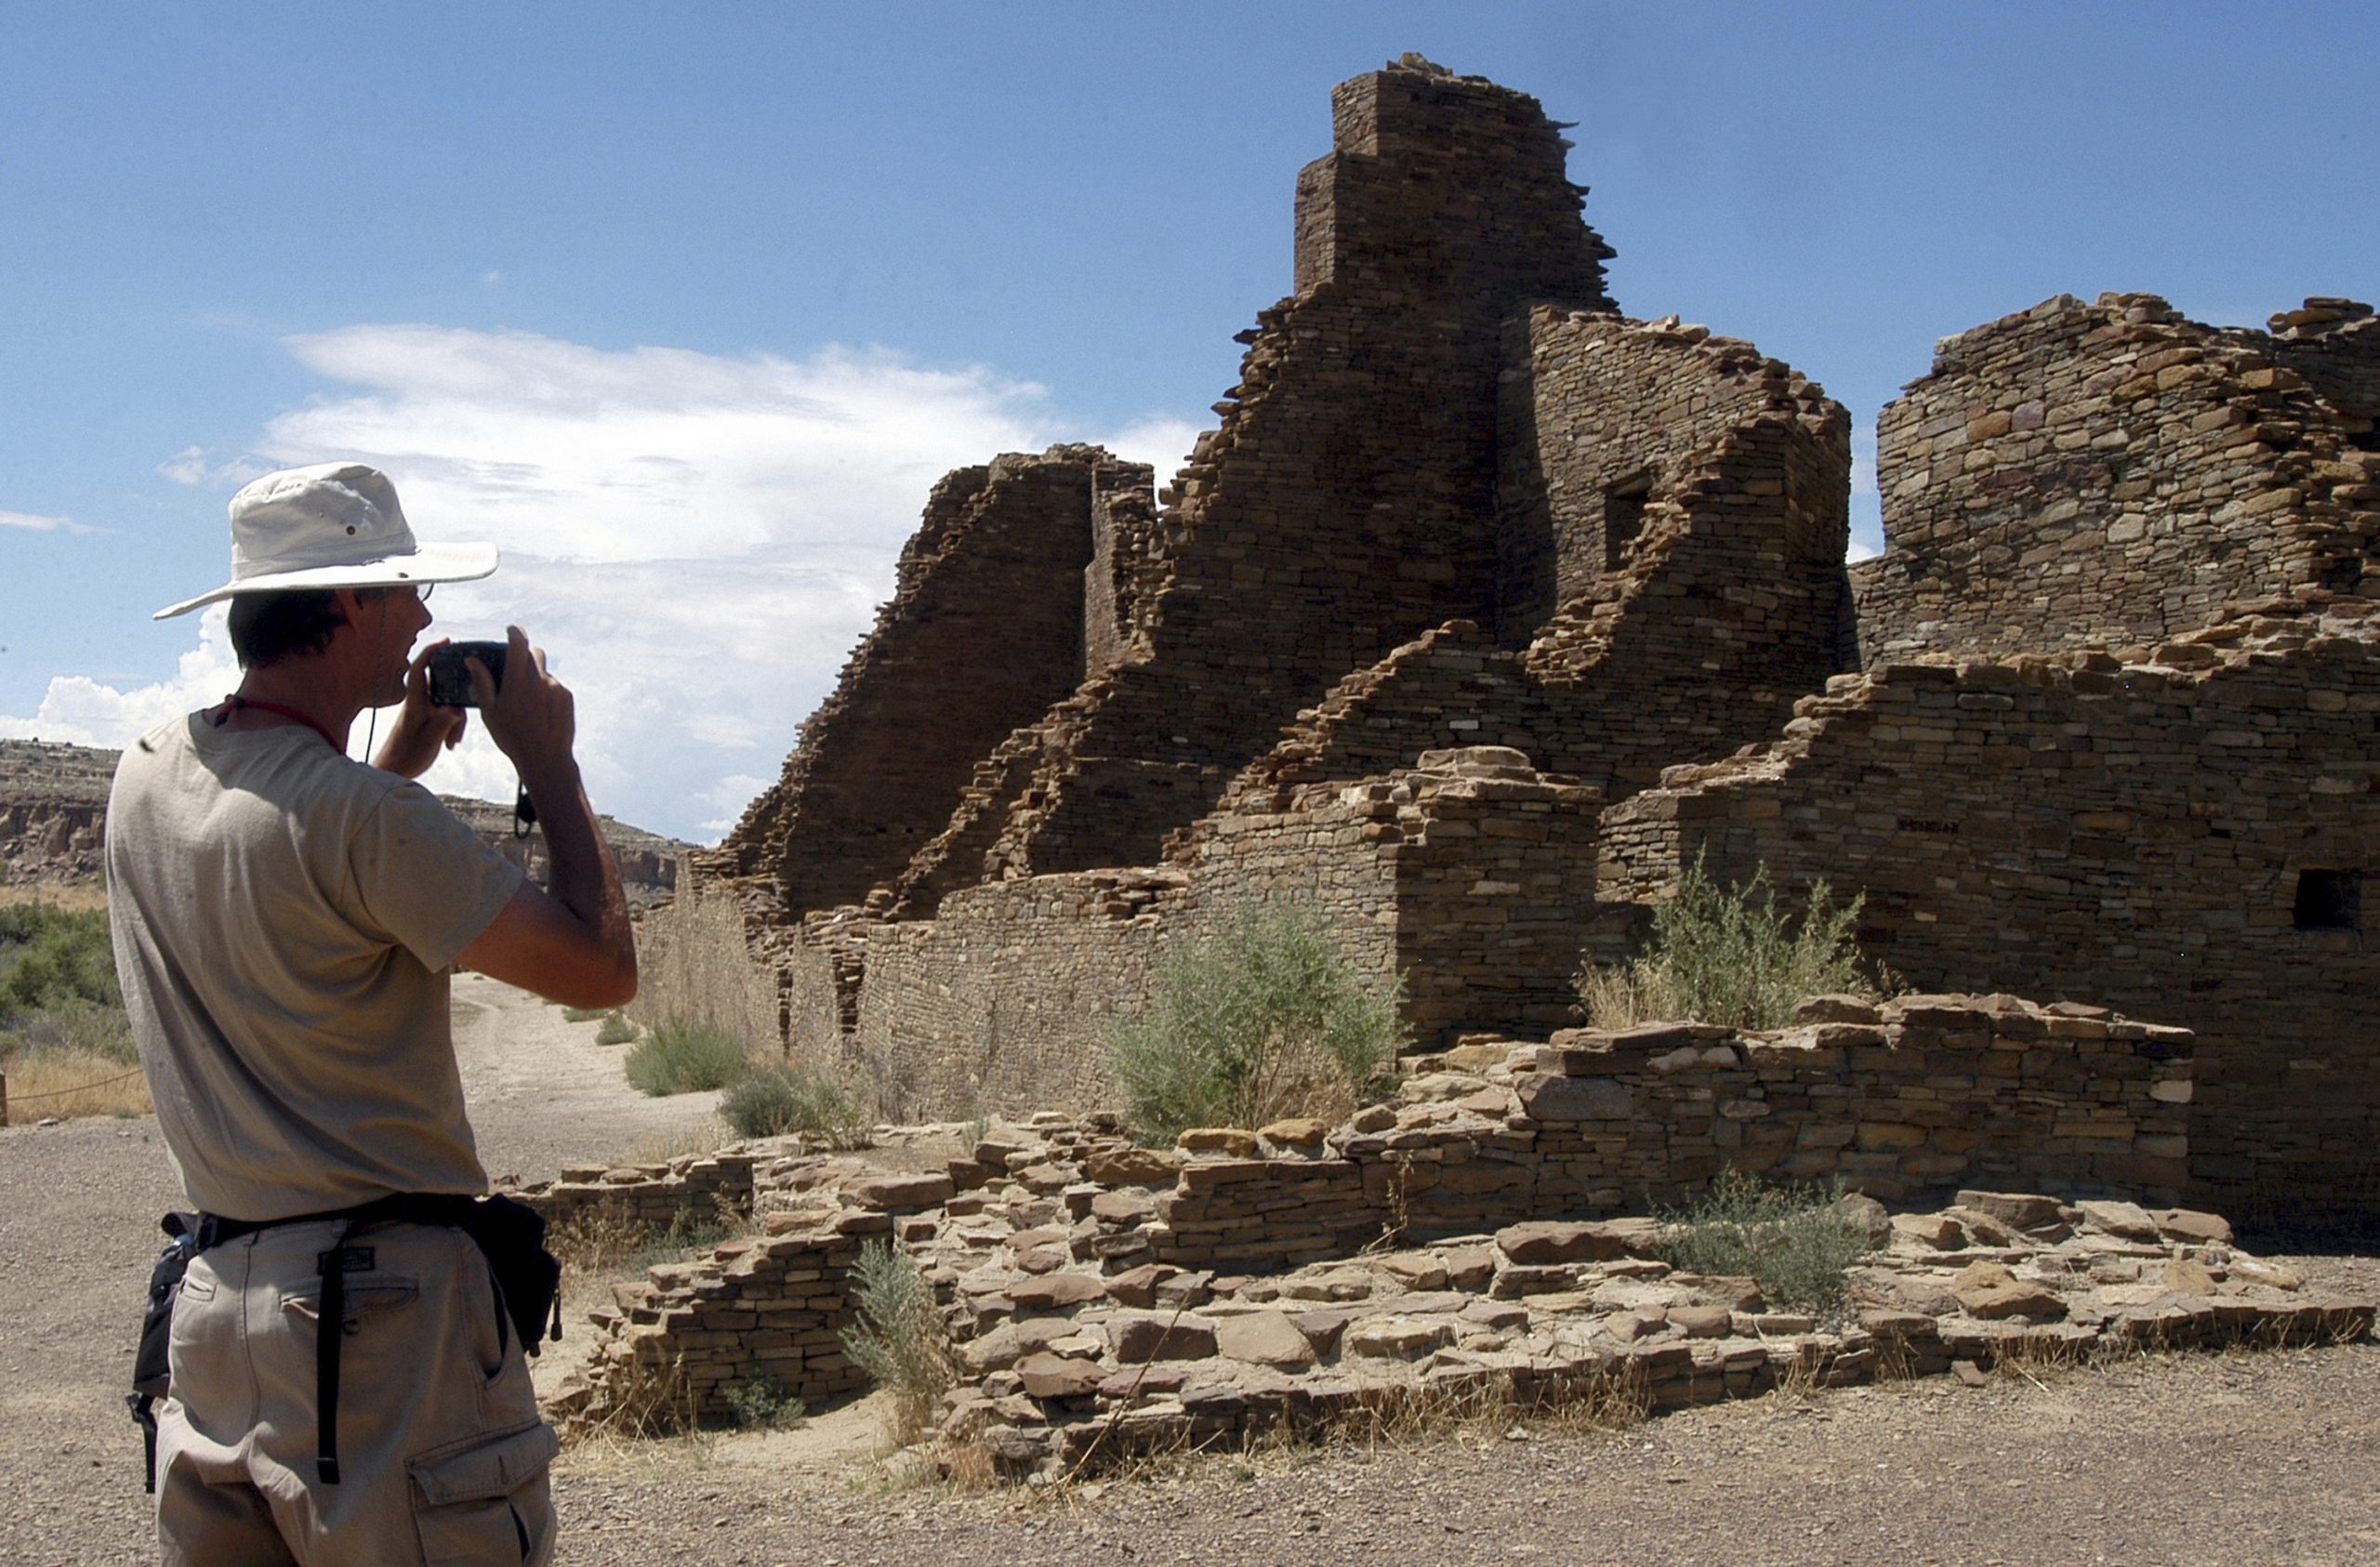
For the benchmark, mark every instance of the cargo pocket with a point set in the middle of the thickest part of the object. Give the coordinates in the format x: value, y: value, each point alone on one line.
x: 486, y: 1501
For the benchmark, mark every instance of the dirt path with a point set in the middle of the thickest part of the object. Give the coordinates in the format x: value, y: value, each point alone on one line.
x: 2234, y: 1458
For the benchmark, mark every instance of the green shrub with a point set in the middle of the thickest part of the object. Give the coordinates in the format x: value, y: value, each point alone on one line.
x: 1263, y: 1020
x: 582, y: 1014
x: 50, y: 956
x: 70, y: 1025
x: 1728, y: 956
x: 821, y: 1104
x: 1793, y: 1239
x: 899, y: 1338
x: 685, y: 1058
x: 617, y: 1030
x: 757, y: 1403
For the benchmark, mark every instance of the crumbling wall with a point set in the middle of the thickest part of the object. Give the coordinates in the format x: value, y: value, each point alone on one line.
x: 1000, y: 1003
x: 2197, y: 826
x: 1602, y: 419
x: 2336, y: 345
x: 1725, y: 604
x: 2078, y: 473
x: 706, y: 957
x: 1074, y: 1267
x: 1472, y: 876
x: 1916, y: 1097
x: 1347, y: 501
x: 993, y: 607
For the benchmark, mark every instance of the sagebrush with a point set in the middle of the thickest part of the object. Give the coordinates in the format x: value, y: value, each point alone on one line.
x: 899, y: 1338
x: 1264, y: 1020
x: 681, y: 1057
x: 65, y: 1042
x: 1729, y: 955
x: 50, y: 956
x: 825, y: 1106
x: 1793, y: 1241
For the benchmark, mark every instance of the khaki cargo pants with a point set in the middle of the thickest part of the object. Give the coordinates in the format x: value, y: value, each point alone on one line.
x: 441, y: 1455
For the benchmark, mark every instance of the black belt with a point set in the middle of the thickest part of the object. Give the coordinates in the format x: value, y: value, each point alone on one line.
x: 448, y: 1210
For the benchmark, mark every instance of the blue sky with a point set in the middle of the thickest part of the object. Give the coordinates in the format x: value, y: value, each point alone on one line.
x: 687, y: 307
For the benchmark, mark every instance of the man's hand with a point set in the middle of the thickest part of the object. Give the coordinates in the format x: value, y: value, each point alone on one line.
x: 423, y: 728
x: 572, y: 943
x: 532, y: 716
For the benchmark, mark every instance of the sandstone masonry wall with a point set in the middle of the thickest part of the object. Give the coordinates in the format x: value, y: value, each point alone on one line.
x: 1471, y: 875
x: 1346, y: 503
x: 1728, y: 604
x: 1915, y: 1097
x: 1073, y: 1266
x: 2199, y: 826
x: 1603, y: 418
x: 2336, y: 345
x: 2079, y: 473
x: 1002, y: 561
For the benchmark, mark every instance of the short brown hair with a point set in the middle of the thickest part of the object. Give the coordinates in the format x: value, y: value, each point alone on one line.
x: 269, y: 628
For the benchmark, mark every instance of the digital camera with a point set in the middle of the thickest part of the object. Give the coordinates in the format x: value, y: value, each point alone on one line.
x: 450, y: 678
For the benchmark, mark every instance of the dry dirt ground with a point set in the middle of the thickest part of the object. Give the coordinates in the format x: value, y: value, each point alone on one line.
x: 2214, y: 1458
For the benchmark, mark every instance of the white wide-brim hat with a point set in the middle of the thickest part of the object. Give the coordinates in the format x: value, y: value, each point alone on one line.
x: 332, y: 525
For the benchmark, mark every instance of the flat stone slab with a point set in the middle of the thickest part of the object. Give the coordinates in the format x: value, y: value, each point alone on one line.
x: 1542, y: 1242
x: 1397, y: 1337
x: 1264, y: 1338
x: 903, y: 1194
x: 1054, y: 1292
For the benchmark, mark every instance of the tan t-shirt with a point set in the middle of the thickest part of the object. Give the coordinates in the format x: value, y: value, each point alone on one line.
x: 283, y: 920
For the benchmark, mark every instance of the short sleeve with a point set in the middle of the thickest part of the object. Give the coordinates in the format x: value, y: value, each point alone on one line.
x: 424, y: 877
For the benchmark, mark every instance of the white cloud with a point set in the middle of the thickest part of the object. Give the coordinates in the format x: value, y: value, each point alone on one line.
x: 697, y: 540
x: 185, y: 467
x: 80, y: 710
x: 189, y: 465
x: 40, y: 524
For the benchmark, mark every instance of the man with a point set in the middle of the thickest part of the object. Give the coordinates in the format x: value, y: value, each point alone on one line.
x: 284, y: 921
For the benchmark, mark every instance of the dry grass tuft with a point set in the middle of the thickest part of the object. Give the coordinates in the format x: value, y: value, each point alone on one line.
x: 69, y: 1083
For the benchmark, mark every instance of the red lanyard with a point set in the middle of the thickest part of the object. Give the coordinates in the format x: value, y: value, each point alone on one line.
x: 233, y: 702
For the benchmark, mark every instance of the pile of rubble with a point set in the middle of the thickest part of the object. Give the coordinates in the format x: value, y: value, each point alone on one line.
x: 1080, y: 1345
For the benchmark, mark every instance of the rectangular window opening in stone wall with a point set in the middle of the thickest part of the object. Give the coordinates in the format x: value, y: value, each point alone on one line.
x: 1623, y: 517
x: 2329, y: 901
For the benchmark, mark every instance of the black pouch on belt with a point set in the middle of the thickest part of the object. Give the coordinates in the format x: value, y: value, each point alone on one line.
x: 512, y: 1235
x: 150, y: 1374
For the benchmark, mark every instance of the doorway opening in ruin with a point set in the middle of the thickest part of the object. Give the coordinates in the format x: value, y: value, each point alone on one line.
x: 2328, y: 901
x: 1623, y: 517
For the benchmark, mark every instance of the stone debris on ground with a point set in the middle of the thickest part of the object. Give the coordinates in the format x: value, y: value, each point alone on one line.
x: 1078, y: 1347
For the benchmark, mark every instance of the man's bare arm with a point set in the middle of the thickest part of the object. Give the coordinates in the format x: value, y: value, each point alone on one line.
x: 571, y: 943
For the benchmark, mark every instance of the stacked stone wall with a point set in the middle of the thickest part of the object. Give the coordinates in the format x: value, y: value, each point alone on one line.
x: 1346, y: 503
x: 1001, y: 1000
x: 653, y: 1199
x: 1002, y: 561
x: 1731, y: 605
x: 1073, y: 1264
x: 1602, y: 418
x: 2080, y: 473
x: 2336, y: 345
x: 2194, y: 827
x: 1471, y: 878
x: 1912, y: 1098
x: 719, y: 953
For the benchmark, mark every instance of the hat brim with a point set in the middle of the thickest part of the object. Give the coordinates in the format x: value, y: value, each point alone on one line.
x: 430, y: 562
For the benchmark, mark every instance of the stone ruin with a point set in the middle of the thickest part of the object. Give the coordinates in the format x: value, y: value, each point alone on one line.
x: 1107, y: 1300
x: 1485, y: 609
